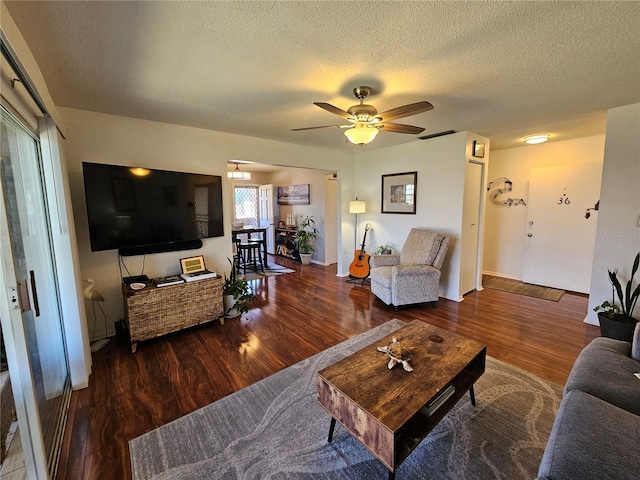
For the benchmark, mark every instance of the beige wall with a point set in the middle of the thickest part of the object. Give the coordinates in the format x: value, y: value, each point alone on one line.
x: 505, y: 227
x: 100, y: 138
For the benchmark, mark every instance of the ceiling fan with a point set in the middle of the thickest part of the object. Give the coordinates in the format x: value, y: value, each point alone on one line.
x: 365, y: 122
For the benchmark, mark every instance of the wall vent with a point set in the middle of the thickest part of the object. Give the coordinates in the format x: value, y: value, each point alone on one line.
x: 439, y: 134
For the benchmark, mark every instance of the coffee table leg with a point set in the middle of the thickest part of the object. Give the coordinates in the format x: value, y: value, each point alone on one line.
x: 331, y: 428
x: 472, y: 394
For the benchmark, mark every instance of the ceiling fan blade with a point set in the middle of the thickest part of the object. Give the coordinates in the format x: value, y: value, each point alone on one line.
x: 399, y: 128
x: 313, y: 128
x: 335, y: 110
x: 405, y: 111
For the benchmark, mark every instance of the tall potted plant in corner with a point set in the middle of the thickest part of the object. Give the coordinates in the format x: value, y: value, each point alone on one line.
x: 616, y: 321
x: 306, y: 233
x: 236, y: 293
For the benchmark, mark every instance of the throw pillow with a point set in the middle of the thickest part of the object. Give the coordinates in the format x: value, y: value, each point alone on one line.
x: 635, y: 344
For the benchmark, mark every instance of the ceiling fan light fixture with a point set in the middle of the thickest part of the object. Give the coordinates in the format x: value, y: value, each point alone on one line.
x: 238, y: 175
x: 361, y: 134
x: 534, y: 139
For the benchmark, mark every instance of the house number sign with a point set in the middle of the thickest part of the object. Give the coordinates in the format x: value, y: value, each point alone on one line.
x: 564, y: 200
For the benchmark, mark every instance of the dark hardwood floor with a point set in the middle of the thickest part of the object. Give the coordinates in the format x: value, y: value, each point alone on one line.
x: 295, y: 316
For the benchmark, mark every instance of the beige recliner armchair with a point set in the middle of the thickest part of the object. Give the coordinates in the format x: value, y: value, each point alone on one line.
x: 413, y: 276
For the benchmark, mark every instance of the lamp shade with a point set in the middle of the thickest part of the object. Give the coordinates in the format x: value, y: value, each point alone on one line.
x: 237, y: 174
x: 357, y: 206
x: 361, y: 134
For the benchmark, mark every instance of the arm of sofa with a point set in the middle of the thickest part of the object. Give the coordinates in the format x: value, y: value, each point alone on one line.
x: 384, y: 260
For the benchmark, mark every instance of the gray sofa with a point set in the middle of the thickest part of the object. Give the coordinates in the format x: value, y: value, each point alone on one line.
x: 596, y: 433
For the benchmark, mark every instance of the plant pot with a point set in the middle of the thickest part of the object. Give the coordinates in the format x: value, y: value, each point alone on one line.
x: 305, y: 258
x: 616, y: 329
x: 229, y: 311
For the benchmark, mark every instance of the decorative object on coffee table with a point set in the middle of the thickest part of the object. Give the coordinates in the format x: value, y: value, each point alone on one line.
x: 398, y: 353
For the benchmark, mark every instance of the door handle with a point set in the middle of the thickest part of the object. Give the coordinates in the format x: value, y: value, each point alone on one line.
x: 34, y: 293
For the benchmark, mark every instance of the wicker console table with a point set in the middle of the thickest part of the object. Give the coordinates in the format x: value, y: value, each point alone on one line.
x: 156, y: 311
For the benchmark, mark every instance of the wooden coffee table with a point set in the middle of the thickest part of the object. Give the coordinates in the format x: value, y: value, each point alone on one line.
x: 391, y: 411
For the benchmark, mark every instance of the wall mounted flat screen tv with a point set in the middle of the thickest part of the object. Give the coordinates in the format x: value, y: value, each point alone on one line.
x: 138, y: 208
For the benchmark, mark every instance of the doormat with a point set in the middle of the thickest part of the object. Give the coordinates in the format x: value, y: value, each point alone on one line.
x: 521, y: 288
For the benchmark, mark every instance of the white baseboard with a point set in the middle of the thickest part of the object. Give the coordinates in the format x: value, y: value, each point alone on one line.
x: 502, y: 275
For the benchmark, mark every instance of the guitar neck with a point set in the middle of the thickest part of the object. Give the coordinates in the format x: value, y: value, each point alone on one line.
x: 364, y: 239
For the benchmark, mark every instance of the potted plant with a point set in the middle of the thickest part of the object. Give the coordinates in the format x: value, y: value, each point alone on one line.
x: 306, y: 233
x: 386, y: 249
x: 616, y: 320
x: 236, y: 293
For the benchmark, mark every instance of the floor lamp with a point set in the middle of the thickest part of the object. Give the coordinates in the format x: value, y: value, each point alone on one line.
x: 357, y: 206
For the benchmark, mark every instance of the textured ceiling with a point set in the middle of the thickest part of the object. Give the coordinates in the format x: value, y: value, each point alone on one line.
x: 501, y: 69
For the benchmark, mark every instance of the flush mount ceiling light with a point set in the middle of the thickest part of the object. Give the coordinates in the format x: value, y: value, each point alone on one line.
x: 533, y: 139
x: 238, y: 175
x: 361, y: 134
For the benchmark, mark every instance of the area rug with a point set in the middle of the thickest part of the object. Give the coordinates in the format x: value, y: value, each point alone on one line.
x: 275, y: 429
x: 271, y: 270
x: 521, y: 288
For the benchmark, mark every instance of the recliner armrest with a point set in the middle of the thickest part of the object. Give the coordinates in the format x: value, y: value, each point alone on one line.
x: 384, y: 260
x: 409, y: 270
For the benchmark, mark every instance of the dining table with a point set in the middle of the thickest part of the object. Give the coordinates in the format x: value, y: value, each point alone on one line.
x: 252, y: 234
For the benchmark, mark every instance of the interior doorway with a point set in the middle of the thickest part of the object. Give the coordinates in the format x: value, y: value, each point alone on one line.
x: 470, y: 275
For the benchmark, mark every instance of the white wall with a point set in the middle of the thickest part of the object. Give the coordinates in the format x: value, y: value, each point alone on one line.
x: 618, y: 234
x: 440, y: 163
x: 100, y: 138
x: 505, y: 227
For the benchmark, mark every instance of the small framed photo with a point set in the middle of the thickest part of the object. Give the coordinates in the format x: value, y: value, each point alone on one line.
x: 399, y: 192
x: 281, y: 224
x: 192, y: 264
x: 478, y: 149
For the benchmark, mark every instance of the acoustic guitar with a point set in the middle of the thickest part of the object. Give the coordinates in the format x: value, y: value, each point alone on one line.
x: 359, y: 268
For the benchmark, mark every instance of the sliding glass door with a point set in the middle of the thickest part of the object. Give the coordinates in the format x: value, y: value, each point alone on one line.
x: 31, y: 315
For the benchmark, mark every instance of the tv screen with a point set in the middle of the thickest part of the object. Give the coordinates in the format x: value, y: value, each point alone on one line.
x: 134, y: 207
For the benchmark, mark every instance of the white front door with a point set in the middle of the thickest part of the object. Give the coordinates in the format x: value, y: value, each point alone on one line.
x: 560, y: 239
x: 265, y: 197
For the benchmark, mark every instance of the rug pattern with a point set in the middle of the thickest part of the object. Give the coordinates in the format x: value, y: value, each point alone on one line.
x: 271, y: 270
x: 275, y: 429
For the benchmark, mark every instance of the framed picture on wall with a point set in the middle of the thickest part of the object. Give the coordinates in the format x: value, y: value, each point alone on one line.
x: 478, y: 149
x: 399, y: 192
x: 294, y: 195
